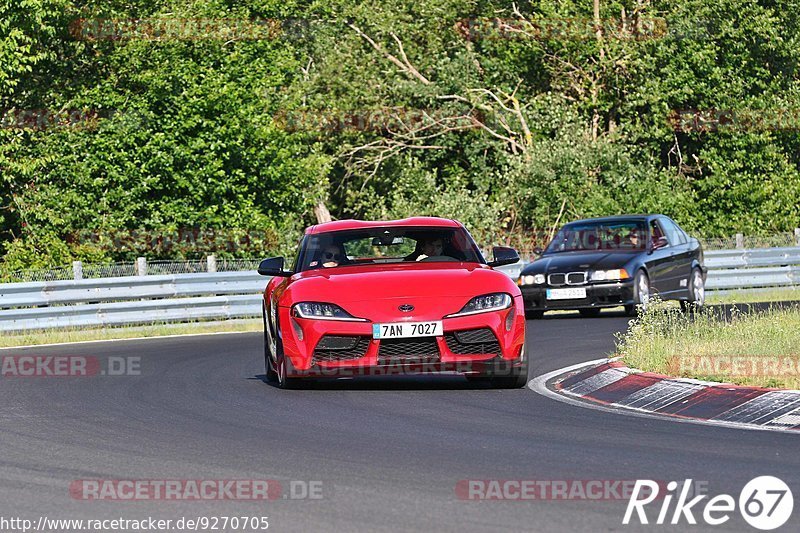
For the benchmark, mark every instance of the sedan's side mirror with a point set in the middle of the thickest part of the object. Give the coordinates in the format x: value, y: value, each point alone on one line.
x: 537, y: 251
x: 661, y: 242
x: 273, y: 267
x: 503, y: 256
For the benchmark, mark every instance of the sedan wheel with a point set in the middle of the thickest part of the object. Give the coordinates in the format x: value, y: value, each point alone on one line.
x: 641, y: 293
x: 697, y: 291
x: 642, y: 289
x: 698, y: 288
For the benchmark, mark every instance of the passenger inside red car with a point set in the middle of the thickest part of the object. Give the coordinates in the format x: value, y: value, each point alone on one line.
x: 330, y: 256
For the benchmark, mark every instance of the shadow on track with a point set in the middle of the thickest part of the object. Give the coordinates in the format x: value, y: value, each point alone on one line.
x: 388, y: 383
x: 612, y: 312
x: 721, y: 310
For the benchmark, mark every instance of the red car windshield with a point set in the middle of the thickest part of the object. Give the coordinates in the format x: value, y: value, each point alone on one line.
x: 387, y: 245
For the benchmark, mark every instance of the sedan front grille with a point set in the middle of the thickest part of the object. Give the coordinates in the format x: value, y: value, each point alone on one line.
x: 572, y: 278
x: 422, y: 349
x: 576, y: 278
x: 473, y: 342
x: 341, y: 348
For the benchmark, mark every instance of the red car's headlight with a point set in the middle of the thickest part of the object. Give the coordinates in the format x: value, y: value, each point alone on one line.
x: 485, y: 304
x: 323, y: 311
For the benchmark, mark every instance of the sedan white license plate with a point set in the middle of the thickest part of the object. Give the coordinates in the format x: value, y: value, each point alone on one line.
x: 401, y: 330
x: 566, y: 294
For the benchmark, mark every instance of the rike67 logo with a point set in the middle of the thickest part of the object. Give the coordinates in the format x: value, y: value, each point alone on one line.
x: 765, y: 503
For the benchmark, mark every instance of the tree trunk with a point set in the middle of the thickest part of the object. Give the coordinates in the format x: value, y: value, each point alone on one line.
x: 598, y: 28
x: 322, y: 213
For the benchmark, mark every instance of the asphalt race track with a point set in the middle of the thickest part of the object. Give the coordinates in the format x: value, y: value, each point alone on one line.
x: 389, y: 452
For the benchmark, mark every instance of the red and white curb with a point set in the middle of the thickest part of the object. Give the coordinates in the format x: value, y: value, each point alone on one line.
x: 611, y: 386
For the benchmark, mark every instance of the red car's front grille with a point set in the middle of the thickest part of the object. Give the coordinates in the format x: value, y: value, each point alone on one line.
x: 422, y: 349
x: 473, y: 342
x: 341, y: 348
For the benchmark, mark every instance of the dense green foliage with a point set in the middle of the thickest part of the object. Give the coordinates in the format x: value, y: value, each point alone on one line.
x: 386, y: 109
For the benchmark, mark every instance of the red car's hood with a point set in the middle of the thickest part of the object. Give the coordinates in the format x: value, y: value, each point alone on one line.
x: 408, y: 280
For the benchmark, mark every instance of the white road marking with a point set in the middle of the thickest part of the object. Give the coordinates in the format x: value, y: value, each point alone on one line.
x: 789, y: 419
x: 763, y: 409
x: 598, y: 381
x: 658, y: 395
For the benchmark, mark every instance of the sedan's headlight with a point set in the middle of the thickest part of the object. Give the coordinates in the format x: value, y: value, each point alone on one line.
x: 323, y: 311
x: 528, y: 279
x: 610, y: 275
x: 484, y: 304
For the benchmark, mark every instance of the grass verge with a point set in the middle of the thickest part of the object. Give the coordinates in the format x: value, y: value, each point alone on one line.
x: 153, y: 330
x: 785, y: 294
x: 758, y: 348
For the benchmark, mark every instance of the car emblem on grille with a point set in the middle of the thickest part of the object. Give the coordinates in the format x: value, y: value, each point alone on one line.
x: 406, y: 308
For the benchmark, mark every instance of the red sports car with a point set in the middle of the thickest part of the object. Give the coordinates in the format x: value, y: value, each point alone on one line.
x: 404, y: 296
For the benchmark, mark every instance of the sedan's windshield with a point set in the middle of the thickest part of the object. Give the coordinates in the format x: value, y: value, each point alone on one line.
x: 387, y: 245
x: 624, y: 235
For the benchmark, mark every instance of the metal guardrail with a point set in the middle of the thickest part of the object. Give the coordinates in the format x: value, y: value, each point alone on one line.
x: 130, y: 300
x: 758, y: 257
x: 129, y: 313
x: 223, y: 295
x: 50, y: 293
x: 753, y: 268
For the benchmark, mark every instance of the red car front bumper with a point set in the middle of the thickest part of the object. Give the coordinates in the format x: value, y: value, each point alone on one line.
x: 480, y: 343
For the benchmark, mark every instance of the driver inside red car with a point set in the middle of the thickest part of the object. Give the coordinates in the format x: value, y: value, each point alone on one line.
x: 430, y: 246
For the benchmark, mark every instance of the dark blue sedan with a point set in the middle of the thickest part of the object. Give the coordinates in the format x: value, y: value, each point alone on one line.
x: 615, y: 261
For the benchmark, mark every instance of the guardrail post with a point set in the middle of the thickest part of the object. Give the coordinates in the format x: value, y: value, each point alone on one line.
x: 739, y: 241
x: 141, y: 266
x: 211, y: 260
x: 797, y: 236
x: 77, y: 270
